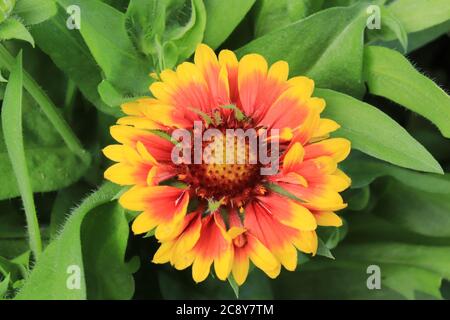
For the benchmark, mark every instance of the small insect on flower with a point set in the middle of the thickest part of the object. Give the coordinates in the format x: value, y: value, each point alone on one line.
x: 229, y: 163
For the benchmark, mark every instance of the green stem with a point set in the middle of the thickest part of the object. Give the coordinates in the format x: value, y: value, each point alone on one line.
x: 48, y: 107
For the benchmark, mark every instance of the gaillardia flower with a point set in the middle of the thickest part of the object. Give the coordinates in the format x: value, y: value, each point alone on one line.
x: 221, y: 200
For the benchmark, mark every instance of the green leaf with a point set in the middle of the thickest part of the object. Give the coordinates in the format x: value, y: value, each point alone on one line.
x: 111, y: 96
x: 234, y: 286
x: 167, y: 31
x: 432, y: 258
x: 4, y: 284
x: 51, y: 164
x: 65, y: 201
x: 222, y: 18
x: 357, y: 197
x: 13, y: 135
x: 420, y: 14
x: 390, y: 75
x: 363, y: 170
x: 179, y: 285
x: 68, y: 51
x: 406, y: 207
x: 327, y: 46
x: 14, y: 29
x: 49, y: 278
x: 6, y: 8
x: 376, y: 134
x: 423, y: 37
x: 107, y: 275
x: 186, y: 36
x: 13, y: 237
x: 324, y: 250
x: 35, y: 11
x: 273, y: 15
x: 391, y: 28
x: 103, y: 30
x: 146, y: 20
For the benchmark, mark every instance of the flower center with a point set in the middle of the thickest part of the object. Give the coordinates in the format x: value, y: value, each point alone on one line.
x: 229, y: 170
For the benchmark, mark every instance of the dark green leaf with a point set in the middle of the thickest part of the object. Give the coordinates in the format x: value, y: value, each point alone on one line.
x: 222, y: 18
x: 423, y: 212
x: 275, y: 14
x: 50, y: 275
x: 104, y: 240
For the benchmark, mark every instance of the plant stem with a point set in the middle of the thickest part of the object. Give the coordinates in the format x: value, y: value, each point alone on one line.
x: 48, y: 107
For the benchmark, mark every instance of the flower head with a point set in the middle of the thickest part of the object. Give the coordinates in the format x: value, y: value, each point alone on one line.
x: 224, y: 200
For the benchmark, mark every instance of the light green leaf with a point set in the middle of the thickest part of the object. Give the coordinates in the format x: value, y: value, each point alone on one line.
x: 14, y: 29
x: 103, y: 30
x: 13, y: 136
x: 391, y: 28
x: 166, y: 31
x: 376, y: 134
x: 234, y: 286
x: 70, y: 54
x: 390, y: 75
x: 49, y: 278
x: 187, y: 36
x: 420, y: 14
x: 6, y: 8
x: 273, y: 15
x: 35, y: 11
x: 222, y: 18
x: 146, y: 20
x: 327, y: 46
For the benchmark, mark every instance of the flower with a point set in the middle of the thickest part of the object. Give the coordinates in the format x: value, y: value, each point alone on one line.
x: 228, y: 213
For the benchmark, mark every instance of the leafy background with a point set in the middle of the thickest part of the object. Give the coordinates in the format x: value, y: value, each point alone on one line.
x: 386, y: 87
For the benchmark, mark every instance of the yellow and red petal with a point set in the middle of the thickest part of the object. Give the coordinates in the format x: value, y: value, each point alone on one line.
x: 252, y: 74
x: 160, y: 148
x: 288, y: 211
x: 211, y: 247
x: 337, y: 148
x: 293, y: 157
x: 228, y: 60
x: 316, y: 197
x: 327, y: 219
x: 307, y: 242
x: 274, y: 235
x: 215, y: 75
x: 323, y: 130
x: 288, y: 111
x: 160, y: 205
